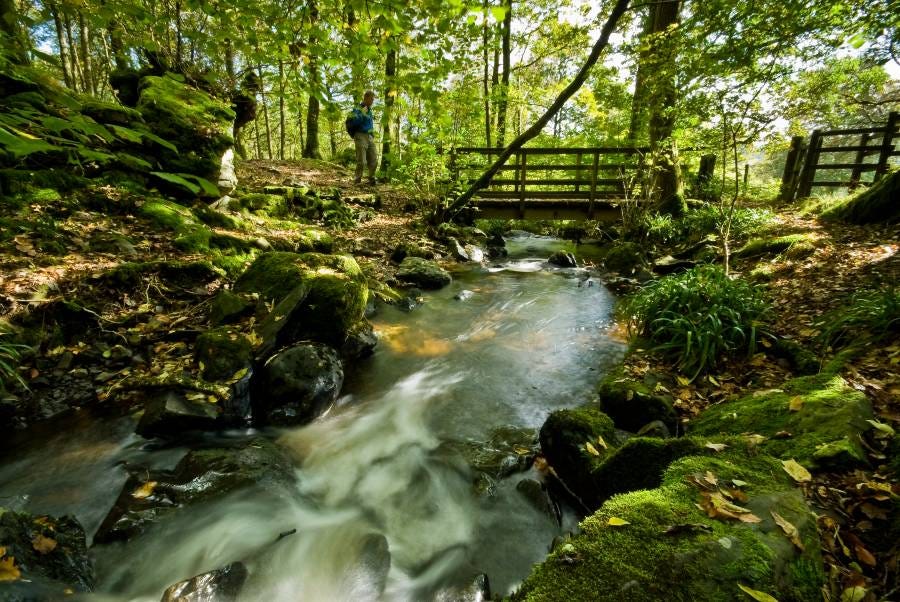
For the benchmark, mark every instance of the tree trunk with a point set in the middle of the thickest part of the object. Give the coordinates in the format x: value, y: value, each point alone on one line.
x: 504, y: 79
x: 282, y: 112
x: 265, y: 105
x: 117, y: 46
x: 311, y: 148
x: 537, y: 126
x: 63, y: 45
x: 487, y: 95
x: 12, y: 31
x: 74, y: 67
x: 229, y: 64
x: 390, y: 93
x: 90, y: 82
x: 179, y: 43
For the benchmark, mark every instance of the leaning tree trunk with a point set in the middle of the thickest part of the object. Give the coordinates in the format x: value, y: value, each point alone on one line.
x: 878, y: 204
x: 390, y: 93
x: 504, y: 78
x: 63, y: 45
x: 543, y: 120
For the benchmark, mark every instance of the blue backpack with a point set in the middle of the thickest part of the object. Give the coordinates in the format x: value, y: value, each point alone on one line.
x: 353, y: 122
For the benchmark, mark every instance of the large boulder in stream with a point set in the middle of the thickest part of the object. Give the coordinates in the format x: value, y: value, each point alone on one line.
x: 203, y: 475
x: 816, y: 420
x: 714, y: 524
x: 632, y: 403
x: 297, y: 384
x: 42, y: 557
x: 423, y: 273
x: 317, y: 297
x: 219, y: 585
x: 507, y: 450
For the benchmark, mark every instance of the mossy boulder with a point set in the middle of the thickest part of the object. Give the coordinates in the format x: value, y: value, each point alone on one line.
x: 227, y: 307
x: 670, y: 549
x: 334, y: 300
x: 44, y: 557
x: 423, y: 273
x: 755, y: 247
x: 624, y: 257
x: 314, y: 240
x: 801, y: 360
x: 632, y: 404
x: 198, y: 124
x: 201, y: 476
x: 223, y: 352
x: 574, y: 441
x: 274, y: 205
x: 182, y: 274
x: 822, y: 430
x: 110, y: 113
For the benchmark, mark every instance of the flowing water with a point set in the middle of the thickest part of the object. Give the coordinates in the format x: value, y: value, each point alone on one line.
x: 379, y: 467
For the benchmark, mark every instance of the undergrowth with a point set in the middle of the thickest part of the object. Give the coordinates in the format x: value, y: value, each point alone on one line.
x: 701, y: 221
x: 9, y: 362
x: 868, y: 317
x: 697, y: 317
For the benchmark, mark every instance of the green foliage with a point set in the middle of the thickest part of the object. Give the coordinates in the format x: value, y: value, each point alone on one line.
x: 193, y: 184
x: 701, y: 221
x: 9, y: 362
x: 698, y: 317
x: 869, y: 316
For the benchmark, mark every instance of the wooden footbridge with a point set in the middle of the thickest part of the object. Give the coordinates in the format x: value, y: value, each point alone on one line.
x: 552, y: 183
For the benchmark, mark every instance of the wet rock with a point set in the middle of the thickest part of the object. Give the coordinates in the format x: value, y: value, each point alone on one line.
x: 405, y: 249
x: 671, y: 549
x: 563, y: 259
x: 374, y: 563
x: 479, y: 590
x: 632, y: 403
x: 624, y: 258
x: 360, y: 343
x: 227, y: 307
x: 42, y: 557
x: 223, y: 352
x: 823, y: 432
x: 657, y: 428
x: 220, y: 585
x: 536, y: 495
x: 297, y: 384
x: 464, y: 295
x: 508, y: 450
x: 423, y: 273
x: 202, y: 475
x: 466, y: 252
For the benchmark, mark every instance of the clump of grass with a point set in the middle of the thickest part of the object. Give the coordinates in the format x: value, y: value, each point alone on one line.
x: 698, y: 317
x: 869, y: 316
x: 9, y: 362
x: 704, y: 220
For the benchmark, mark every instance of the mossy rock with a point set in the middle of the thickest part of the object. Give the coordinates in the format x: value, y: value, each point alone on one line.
x: 314, y: 240
x: 775, y: 246
x: 218, y: 219
x: 423, y: 273
x: 574, y: 441
x: 802, y: 361
x: 669, y: 549
x: 110, y: 113
x: 183, y: 274
x: 198, y: 124
x: 632, y: 404
x: 223, y: 352
x: 405, y: 249
x: 624, y: 257
x: 274, y: 205
x: 170, y: 215
x: 228, y: 307
x: 824, y: 432
x: 335, y: 297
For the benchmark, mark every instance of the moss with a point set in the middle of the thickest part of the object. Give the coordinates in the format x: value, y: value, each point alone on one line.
x: 312, y: 239
x: 218, y: 219
x: 184, y: 274
x: 222, y: 352
x: 233, y: 264
x: 704, y: 559
x: 270, y: 204
x: 43, y: 196
x: 802, y: 360
x: 777, y: 245
x: 228, y: 307
x: 110, y: 113
x: 275, y: 274
x: 631, y: 403
x: 824, y: 433
x: 169, y: 214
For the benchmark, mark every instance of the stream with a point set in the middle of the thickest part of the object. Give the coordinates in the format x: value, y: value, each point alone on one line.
x: 504, y: 345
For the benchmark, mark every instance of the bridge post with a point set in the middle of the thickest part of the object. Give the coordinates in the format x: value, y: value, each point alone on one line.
x: 808, y: 176
x: 522, y: 180
x: 887, y: 144
x: 856, y: 175
x: 577, y: 172
x: 595, y: 167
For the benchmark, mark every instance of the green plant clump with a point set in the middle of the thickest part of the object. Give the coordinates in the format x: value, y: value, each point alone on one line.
x: 697, y: 317
x: 9, y: 361
x: 869, y: 316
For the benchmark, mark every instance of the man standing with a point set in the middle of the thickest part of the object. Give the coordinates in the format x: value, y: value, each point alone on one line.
x: 363, y: 128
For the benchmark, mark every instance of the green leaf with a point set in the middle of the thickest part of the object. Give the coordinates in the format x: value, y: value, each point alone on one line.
x: 177, y: 180
x: 19, y: 146
x: 499, y: 13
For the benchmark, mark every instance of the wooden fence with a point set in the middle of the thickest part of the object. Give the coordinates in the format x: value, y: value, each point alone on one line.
x: 843, y: 153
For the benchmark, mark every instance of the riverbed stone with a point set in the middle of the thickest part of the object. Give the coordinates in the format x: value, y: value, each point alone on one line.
x: 536, y: 494
x: 219, y: 585
x: 223, y: 352
x: 477, y: 590
x: 654, y: 544
x: 823, y: 431
x: 624, y: 257
x: 423, y: 273
x: 631, y: 403
x: 227, y: 307
x: 563, y: 259
x: 202, y: 475
x: 42, y: 558
x: 297, y: 384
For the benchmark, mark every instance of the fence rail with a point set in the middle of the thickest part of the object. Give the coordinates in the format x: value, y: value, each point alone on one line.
x: 804, y: 159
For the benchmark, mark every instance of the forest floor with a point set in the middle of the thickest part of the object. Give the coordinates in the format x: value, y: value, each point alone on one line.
x: 803, y: 289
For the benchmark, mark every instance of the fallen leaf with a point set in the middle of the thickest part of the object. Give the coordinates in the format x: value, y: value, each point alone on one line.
x: 797, y: 472
x: 617, y: 522
x: 756, y: 594
x: 687, y: 528
x: 854, y: 594
x: 8, y: 569
x: 591, y: 449
x: 790, y: 530
x: 710, y: 478
x: 683, y: 381
x: 42, y: 544
x: 601, y: 442
x: 864, y: 555
x: 144, y: 491
x: 885, y: 431
x: 795, y: 404
x: 716, y: 447
x: 716, y: 506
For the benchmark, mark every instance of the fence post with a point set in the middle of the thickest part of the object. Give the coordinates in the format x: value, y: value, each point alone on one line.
x: 808, y: 176
x: 595, y: 167
x: 856, y: 174
x: 454, y: 174
x: 577, y: 172
x: 522, y: 176
x: 516, y: 172
x: 705, y: 175
x: 791, y: 168
x: 746, y: 176
x: 887, y: 144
